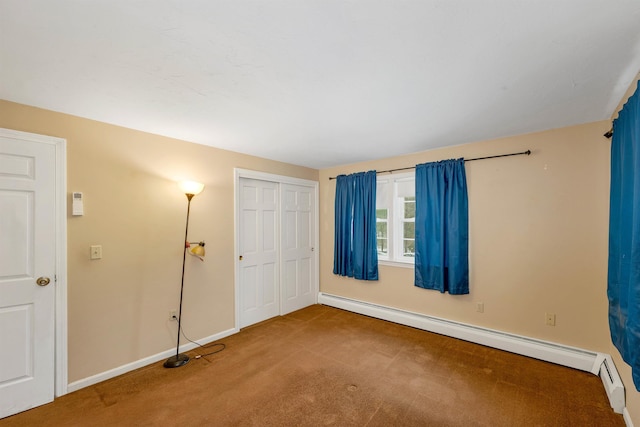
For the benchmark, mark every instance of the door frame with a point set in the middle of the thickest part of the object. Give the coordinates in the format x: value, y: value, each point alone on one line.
x: 279, y: 179
x: 60, y: 351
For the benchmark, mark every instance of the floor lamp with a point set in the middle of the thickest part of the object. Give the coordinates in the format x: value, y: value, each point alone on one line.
x: 190, y: 189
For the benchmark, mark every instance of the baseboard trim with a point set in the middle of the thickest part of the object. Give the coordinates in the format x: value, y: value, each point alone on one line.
x: 112, y: 373
x: 551, y: 352
x: 571, y: 357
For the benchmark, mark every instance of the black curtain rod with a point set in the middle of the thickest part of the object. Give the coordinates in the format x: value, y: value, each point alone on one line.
x: 528, y: 152
x: 608, y: 134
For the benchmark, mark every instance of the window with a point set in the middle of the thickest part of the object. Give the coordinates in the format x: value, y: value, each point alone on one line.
x: 395, y: 218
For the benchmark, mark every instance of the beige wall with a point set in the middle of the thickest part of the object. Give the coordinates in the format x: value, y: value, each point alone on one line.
x: 538, y: 241
x: 538, y: 224
x: 632, y: 395
x: 538, y: 238
x: 118, y: 306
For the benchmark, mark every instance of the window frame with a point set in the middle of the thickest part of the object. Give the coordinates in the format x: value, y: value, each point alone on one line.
x: 395, y: 220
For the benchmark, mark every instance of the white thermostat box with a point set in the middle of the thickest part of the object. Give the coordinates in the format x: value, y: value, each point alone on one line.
x: 77, y: 207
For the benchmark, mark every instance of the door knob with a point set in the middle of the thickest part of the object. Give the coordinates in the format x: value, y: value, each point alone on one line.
x: 43, y: 281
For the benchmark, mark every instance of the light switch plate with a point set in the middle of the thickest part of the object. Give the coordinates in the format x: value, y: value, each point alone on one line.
x: 96, y: 251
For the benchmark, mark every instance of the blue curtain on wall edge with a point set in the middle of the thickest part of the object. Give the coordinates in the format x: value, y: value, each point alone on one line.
x: 623, y: 281
x: 343, y: 218
x: 355, y: 248
x: 442, y: 227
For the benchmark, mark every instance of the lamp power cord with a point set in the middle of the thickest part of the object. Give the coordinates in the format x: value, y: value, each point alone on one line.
x: 221, y: 346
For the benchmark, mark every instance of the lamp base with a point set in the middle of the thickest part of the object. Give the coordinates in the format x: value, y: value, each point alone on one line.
x: 176, y: 361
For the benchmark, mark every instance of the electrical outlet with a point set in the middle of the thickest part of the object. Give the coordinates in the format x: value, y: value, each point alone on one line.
x: 173, y: 314
x: 550, y: 319
x: 480, y: 307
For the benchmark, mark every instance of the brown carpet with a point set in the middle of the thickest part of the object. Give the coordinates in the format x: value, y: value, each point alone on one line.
x: 323, y: 366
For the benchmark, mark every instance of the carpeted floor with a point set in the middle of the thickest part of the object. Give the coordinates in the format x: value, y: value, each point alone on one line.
x: 323, y: 366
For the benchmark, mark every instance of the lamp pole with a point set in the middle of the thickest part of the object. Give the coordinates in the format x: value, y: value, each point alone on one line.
x: 181, y: 359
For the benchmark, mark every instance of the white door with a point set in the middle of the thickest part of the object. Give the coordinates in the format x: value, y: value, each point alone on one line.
x: 27, y: 253
x: 258, y: 251
x: 297, y: 247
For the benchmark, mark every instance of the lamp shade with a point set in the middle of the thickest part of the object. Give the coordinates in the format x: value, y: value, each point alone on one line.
x: 191, y: 187
x: 198, y: 250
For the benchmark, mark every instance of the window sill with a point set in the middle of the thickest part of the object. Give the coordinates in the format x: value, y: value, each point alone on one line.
x: 396, y: 263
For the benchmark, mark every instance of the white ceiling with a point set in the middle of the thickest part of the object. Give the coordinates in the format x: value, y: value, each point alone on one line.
x: 321, y: 83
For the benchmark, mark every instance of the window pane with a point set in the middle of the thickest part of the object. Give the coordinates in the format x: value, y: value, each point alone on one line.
x: 409, y: 230
x: 383, y: 193
x: 382, y: 213
x: 381, y: 233
x: 409, y: 207
x: 406, y: 187
x: 408, y: 241
x: 382, y: 237
x: 409, y: 247
x: 383, y: 246
x: 381, y: 229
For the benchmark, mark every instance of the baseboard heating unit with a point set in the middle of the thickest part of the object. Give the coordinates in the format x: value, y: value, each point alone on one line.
x: 611, y: 382
x: 597, y: 363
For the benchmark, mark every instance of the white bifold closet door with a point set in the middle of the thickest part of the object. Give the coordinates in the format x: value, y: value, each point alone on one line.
x: 259, y: 266
x: 277, y: 265
x: 297, y: 248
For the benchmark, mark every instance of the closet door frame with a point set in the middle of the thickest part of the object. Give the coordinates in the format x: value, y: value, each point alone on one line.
x: 279, y: 179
